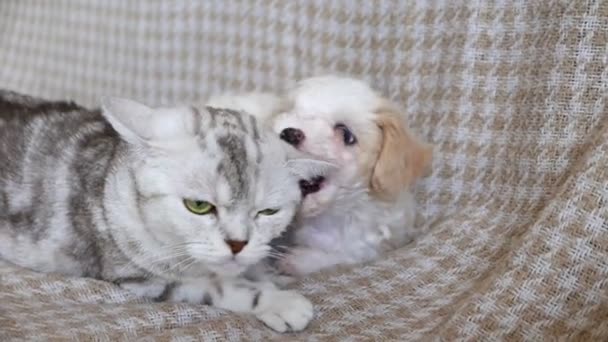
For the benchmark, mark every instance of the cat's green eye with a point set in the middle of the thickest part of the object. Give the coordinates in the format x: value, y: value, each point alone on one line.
x: 268, y: 212
x: 199, y: 207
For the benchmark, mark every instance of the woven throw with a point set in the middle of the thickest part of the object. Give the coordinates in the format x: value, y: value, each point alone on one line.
x: 511, y: 92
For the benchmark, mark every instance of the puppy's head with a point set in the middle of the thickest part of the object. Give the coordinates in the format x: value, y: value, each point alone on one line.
x: 343, y: 121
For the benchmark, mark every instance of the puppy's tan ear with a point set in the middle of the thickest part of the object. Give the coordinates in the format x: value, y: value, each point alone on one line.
x: 402, y: 158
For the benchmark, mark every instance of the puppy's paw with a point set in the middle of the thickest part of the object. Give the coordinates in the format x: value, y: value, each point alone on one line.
x: 283, y: 280
x: 284, y: 310
x: 302, y: 261
x: 286, y: 267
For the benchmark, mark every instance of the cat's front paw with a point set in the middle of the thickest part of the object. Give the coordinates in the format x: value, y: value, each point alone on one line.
x: 284, y: 310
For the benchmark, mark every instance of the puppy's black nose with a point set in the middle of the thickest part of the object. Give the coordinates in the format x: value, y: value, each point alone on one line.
x: 293, y: 136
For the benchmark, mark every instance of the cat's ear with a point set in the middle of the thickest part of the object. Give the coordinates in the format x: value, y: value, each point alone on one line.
x: 129, y: 118
x: 138, y: 123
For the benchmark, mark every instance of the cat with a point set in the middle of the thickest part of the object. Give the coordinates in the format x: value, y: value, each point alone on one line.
x: 173, y: 204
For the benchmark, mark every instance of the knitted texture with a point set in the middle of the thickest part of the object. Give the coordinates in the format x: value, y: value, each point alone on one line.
x: 511, y: 92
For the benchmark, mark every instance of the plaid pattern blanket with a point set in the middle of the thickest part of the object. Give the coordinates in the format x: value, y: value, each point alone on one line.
x: 512, y: 92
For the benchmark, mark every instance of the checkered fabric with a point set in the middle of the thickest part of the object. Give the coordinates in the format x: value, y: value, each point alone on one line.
x: 512, y: 92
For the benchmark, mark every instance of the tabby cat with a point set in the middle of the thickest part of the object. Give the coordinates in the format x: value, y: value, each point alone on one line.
x: 170, y: 203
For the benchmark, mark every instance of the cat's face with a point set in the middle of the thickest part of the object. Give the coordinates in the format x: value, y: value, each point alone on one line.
x: 211, y: 187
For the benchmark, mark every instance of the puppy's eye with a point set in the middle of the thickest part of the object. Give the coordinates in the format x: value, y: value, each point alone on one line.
x: 347, y: 135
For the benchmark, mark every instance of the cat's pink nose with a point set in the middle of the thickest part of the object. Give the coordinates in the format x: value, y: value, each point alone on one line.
x: 236, y: 246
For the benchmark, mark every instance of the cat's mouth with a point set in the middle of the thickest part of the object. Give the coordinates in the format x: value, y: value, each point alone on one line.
x: 310, y: 186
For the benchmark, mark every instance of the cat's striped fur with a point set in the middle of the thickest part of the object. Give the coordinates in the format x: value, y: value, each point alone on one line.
x: 100, y: 194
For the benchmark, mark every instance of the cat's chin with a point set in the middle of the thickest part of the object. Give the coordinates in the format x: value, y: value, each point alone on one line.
x: 228, y: 269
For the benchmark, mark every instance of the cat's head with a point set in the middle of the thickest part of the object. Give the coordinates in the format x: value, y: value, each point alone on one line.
x: 210, y: 188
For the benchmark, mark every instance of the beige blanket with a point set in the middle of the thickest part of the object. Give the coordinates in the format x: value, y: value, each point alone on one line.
x: 512, y: 92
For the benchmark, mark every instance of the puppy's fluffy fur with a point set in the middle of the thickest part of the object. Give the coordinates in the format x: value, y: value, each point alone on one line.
x: 365, y: 207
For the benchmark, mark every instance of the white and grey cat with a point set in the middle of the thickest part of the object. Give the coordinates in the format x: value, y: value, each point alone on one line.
x: 170, y: 203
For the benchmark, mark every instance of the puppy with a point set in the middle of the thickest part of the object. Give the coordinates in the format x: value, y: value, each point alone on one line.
x: 364, y: 207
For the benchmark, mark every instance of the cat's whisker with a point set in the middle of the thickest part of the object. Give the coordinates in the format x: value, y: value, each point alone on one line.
x: 277, y: 255
x: 166, y: 253
x: 277, y: 251
x: 188, y: 265
x: 186, y: 261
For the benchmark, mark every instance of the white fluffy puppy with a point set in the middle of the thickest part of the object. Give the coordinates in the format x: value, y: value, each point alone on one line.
x: 365, y: 207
